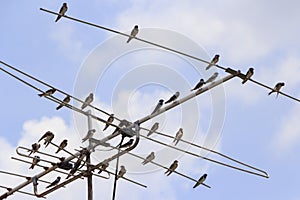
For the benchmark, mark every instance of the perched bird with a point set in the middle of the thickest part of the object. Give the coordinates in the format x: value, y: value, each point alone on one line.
x: 277, y: 87
x: 127, y: 144
x: 178, y: 136
x: 48, y: 92
x: 173, y: 98
x: 212, y: 78
x: 121, y: 172
x: 201, y: 180
x: 172, y: 168
x: 103, y: 166
x: 89, y: 135
x: 133, y: 33
x: 154, y: 128
x: 62, y: 145
x: 47, y: 134
x: 249, y: 73
x: 74, y: 169
x: 66, y: 100
x: 35, y: 160
x: 213, y: 61
x: 199, y: 84
x: 48, y: 137
x: 149, y: 158
x: 87, y: 101
x: 109, y: 120
x: 158, y: 106
x: 54, y: 183
x: 34, y: 148
x: 62, y: 11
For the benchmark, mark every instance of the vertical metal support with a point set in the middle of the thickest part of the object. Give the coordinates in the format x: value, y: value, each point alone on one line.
x: 88, y: 160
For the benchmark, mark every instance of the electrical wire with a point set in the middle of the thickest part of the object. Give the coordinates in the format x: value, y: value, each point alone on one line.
x: 163, y: 47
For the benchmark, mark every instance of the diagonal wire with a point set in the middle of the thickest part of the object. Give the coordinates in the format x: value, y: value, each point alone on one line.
x: 265, y: 174
x: 161, y: 46
x: 209, y: 150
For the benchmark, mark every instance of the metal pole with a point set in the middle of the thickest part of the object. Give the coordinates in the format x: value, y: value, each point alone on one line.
x: 88, y: 160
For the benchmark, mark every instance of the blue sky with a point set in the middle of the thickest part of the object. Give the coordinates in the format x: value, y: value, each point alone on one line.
x: 257, y: 128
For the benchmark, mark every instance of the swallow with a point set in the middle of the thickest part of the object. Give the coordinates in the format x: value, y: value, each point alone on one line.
x: 103, y: 166
x: 62, y: 145
x: 48, y: 92
x: 133, y: 33
x: 127, y: 144
x: 66, y: 100
x: 109, y: 120
x: 213, y: 61
x: 47, y: 134
x: 212, y: 78
x: 87, y: 101
x: 249, y: 73
x: 153, y: 128
x: 172, y: 168
x: 158, y: 106
x: 178, y: 136
x: 149, y: 158
x: 121, y: 172
x: 74, y: 169
x: 62, y: 11
x: 89, y: 135
x: 48, y: 140
x: 35, y: 160
x: 34, y: 148
x: 277, y: 87
x: 199, y: 85
x: 201, y: 180
x: 54, y: 183
x: 173, y: 98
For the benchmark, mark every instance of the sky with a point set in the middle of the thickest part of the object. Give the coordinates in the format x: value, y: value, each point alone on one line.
x: 241, y: 121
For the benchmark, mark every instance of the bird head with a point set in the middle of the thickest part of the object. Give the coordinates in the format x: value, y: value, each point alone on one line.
x: 161, y: 101
x: 251, y: 69
x: 64, y: 4
x: 58, y: 178
x: 136, y: 26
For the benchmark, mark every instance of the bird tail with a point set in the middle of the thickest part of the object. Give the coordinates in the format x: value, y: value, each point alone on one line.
x: 40, y: 95
x: 209, y: 66
x: 58, y: 17
x: 59, y: 107
x: 277, y: 95
x: 31, y: 167
x: 176, y: 142
x: 130, y: 38
x: 271, y: 92
x: 58, y: 150
x: 106, y: 126
x: 244, y: 81
x: 150, y: 132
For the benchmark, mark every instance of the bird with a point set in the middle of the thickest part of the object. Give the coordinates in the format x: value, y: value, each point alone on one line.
x: 48, y: 92
x: 158, y: 106
x: 109, y: 120
x: 212, y: 78
x: 62, y: 11
x: 249, y: 73
x: 89, y: 135
x: 213, y: 61
x: 87, y: 101
x: 54, y: 183
x: 200, y: 181
x: 133, y: 33
x: 62, y: 145
x: 34, y: 148
x: 173, y: 98
x: 47, y: 134
x: 199, y: 84
x: 48, y: 140
x: 74, y: 169
x: 35, y: 160
x: 178, y: 136
x: 66, y: 100
x: 127, y: 144
x: 172, y: 168
x: 277, y: 87
x: 154, y: 127
x: 121, y: 172
x: 149, y: 158
x: 103, y: 166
